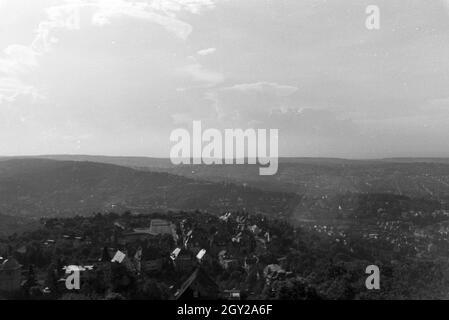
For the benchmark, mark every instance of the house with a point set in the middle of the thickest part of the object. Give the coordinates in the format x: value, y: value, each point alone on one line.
x: 185, y: 261
x: 225, y: 217
x: 201, y: 254
x: 229, y: 263
x: 274, y: 272
x: 138, y: 234
x: 175, y: 254
x: 272, y: 269
x: 233, y: 294
x: 197, y: 286
x: 160, y: 227
x: 118, y: 257
x: 10, y: 275
x: 255, y: 229
x: 122, y: 258
x: 157, y: 227
x: 226, y: 261
x: 119, y: 225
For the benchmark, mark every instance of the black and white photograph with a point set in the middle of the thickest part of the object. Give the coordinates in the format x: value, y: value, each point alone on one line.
x: 239, y: 152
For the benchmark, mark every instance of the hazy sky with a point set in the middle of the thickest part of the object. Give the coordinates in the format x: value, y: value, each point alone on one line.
x: 115, y: 77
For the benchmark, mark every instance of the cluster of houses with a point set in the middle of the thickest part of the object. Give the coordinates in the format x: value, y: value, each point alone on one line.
x: 185, y: 246
x: 234, y: 242
x: 400, y: 235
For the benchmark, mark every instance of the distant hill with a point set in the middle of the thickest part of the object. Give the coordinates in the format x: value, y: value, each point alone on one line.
x: 320, y: 186
x: 134, y: 162
x: 414, y: 177
x: 42, y: 187
x: 166, y: 163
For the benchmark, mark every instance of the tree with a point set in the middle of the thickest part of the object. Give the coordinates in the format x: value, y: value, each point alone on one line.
x: 294, y: 289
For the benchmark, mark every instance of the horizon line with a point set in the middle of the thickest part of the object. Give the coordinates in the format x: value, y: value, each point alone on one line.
x: 168, y: 158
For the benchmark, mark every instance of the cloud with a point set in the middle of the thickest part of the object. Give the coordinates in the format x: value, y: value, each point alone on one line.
x: 125, y: 59
x: 200, y: 74
x: 65, y: 16
x: 206, y: 52
x: 11, y: 88
x: 17, y: 62
x: 161, y: 12
x: 20, y: 59
x: 164, y: 15
x: 263, y: 87
x: 21, y: 56
x: 249, y: 102
x: 192, y: 6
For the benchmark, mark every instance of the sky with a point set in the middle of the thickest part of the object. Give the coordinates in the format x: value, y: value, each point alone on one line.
x: 116, y: 77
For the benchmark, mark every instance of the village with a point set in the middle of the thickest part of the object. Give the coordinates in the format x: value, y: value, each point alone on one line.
x: 196, y: 255
x: 191, y: 255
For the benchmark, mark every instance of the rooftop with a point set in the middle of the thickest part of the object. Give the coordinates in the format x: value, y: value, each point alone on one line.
x: 10, y: 264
